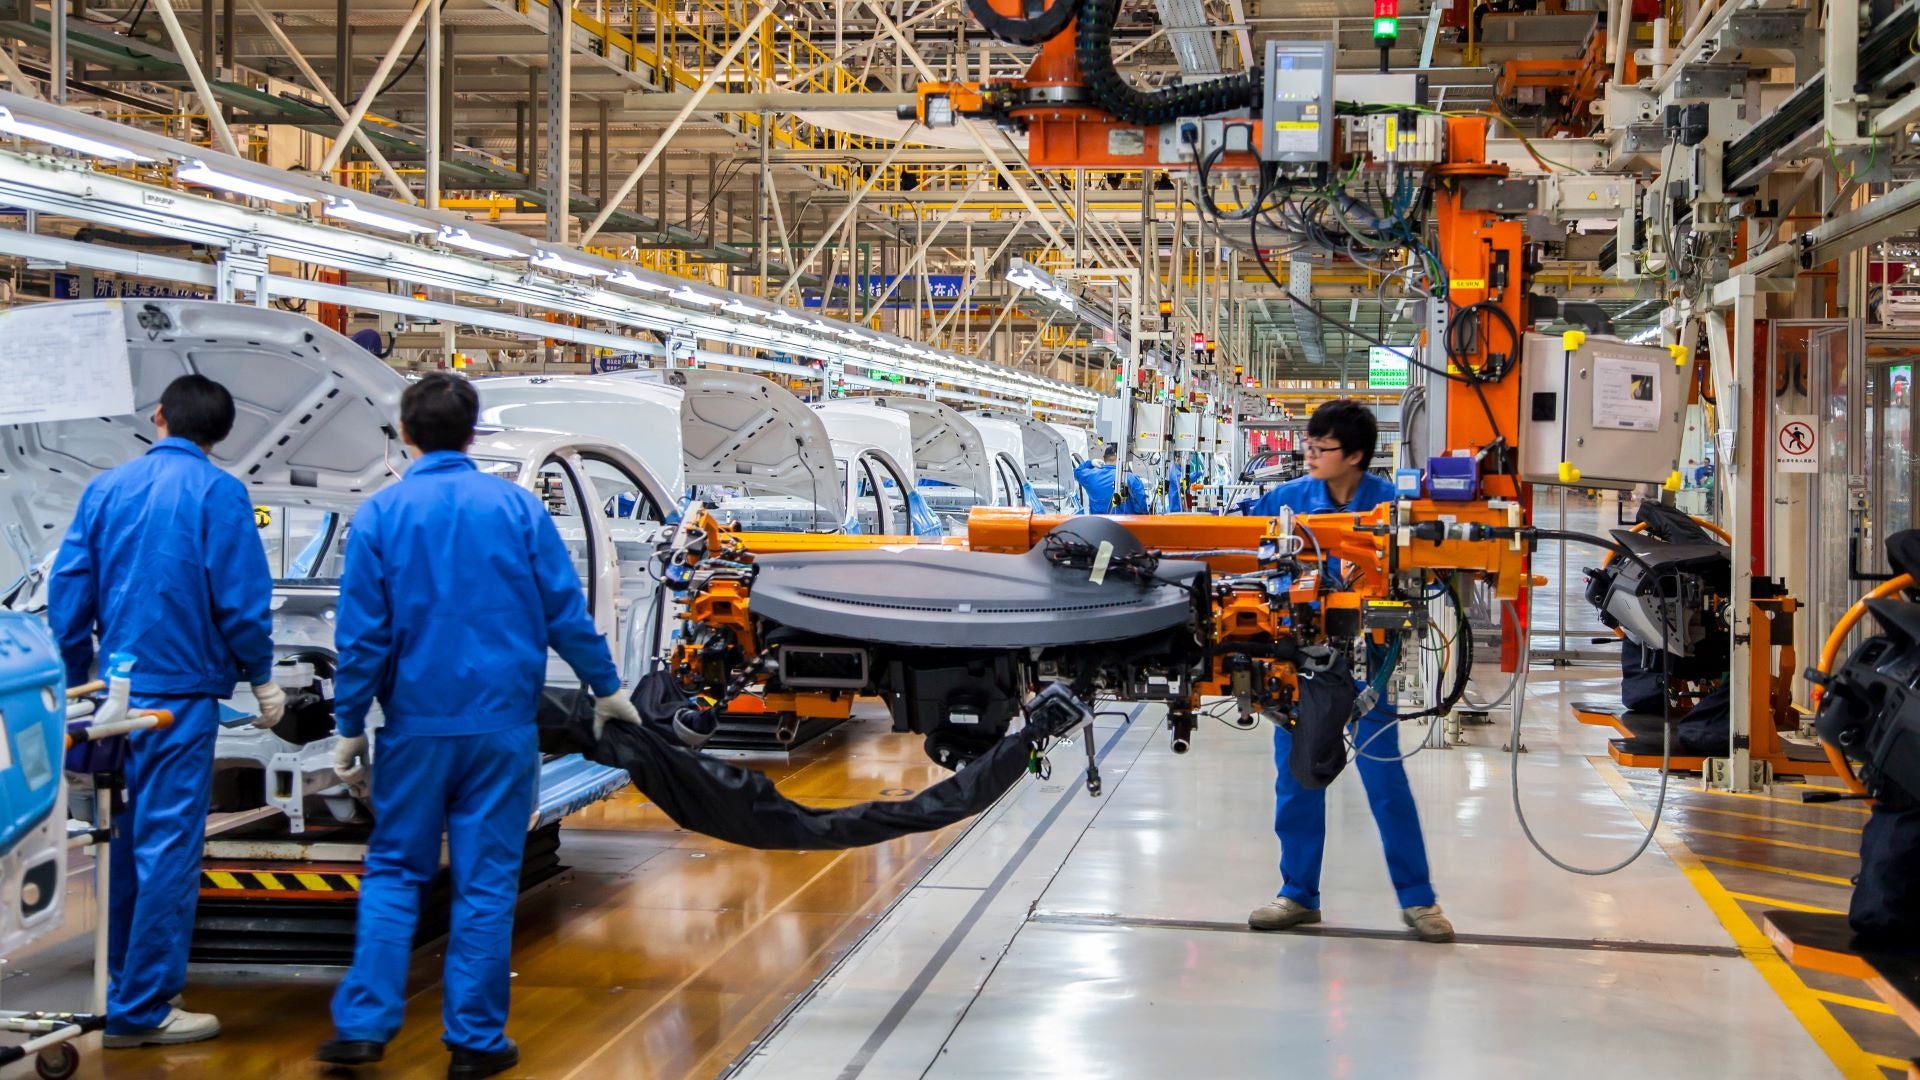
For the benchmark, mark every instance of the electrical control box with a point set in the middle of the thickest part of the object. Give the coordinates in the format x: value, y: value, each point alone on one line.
x: 1106, y: 419
x: 1186, y: 431
x: 1209, y: 434
x: 1296, y: 114
x: 1149, y: 428
x: 1597, y: 412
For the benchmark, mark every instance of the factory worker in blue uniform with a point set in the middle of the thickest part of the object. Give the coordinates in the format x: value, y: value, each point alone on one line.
x: 1340, y: 440
x: 456, y: 585
x: 1099, y: 481
x: 163, y: 563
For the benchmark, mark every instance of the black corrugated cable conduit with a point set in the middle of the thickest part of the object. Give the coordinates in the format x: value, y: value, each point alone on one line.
x: 1093, y: 45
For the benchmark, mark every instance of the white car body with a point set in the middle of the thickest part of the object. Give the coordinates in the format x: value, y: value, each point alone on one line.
x: 1078, y: 439
x: 874, y: 448
x: 950, y: 461
x: 642, y: 416
x: 316, y: 434
x: 1046, y: 460
x: 1006, y: 455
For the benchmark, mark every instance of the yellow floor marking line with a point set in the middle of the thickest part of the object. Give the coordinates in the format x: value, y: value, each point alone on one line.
x: 1770, y: 841
x: 1846, y: 1055
x: 1787, y: 905
x: 1795, y: 822
x: 1804, y: 875
x: 1842, y: 808
x: 1885, y: 1061
x: 1851, y: 1002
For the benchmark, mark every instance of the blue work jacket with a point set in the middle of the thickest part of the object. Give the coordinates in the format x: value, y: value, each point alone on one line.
x: 163, y: 561
x: 456, y: 584
x: 1098, y: 482
x: 1306, y: 495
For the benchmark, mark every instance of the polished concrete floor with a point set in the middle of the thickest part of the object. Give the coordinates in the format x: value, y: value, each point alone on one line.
x: 1069, y: 936
x: 1077, y: 937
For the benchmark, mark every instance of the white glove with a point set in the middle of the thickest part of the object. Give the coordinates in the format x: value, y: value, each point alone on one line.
x: 273, y: 704
x: 613, y: 707
x: 352, y: 765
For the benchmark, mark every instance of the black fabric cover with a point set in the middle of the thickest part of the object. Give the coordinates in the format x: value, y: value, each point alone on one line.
x: 1903, y: 552
x: 1673, y: 525
x: 1707, y: 728
x: 1642, y: 688
x: 1885, y: 911
x: 741, y: 806
x: 1319, y: 733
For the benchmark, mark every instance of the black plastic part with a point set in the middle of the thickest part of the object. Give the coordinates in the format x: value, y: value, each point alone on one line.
x: 973, y: 600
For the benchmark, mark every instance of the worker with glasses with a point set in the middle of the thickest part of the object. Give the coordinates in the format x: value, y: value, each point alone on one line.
x: 1341, y: 435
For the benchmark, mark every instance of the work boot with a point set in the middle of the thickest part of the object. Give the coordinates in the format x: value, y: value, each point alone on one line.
x: 350, y: 1052
x: 474, y: 1064
x: 1429, y: 923
x: 179, y: 1027
x: 1283, y: 914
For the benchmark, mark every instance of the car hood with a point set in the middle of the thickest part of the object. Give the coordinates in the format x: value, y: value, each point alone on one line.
x: 315, y: 425
x: 946, y: 446
x: 641, y: 415
x: 739, y: 429
x: 1048, y: 460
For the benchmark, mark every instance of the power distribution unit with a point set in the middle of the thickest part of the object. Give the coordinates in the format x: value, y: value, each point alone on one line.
x: 1296, y: 114
x: 1186, y: 431
x: 1149, y: 429
x: 1598, y: 412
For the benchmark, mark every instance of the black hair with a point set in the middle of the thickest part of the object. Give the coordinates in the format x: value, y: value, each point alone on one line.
x: 439, y: 411
x: 1111, y: 453
x: 197, y: 409
x: 1350, y: 423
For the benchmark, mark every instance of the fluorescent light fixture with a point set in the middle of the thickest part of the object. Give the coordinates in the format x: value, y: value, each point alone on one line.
x: 52, y: 136
x: 1026, y: 277
x: 347, y: 210
x: 630, y: 280
x: 466, y: 241
x: 691, y: 297
x: 551, y: 260
x: 195, y: 171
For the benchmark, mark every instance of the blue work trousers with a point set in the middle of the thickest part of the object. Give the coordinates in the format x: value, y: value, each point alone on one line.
x: 479, y: 790
x: 154, y: 862
x: 1300, y: 817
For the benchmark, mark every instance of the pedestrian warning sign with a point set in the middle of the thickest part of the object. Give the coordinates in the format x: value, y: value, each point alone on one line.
x: 1794, y: 445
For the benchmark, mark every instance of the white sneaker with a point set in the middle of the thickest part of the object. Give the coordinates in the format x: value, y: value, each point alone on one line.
x: 180, y: 1027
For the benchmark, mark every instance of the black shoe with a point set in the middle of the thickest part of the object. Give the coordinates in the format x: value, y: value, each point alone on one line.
x: 474, y: 1064
x: 350, y: 1052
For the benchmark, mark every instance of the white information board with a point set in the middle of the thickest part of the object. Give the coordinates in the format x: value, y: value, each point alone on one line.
x: 64, y: 361
x: 1626, y: 393
x: 1795, y: 445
